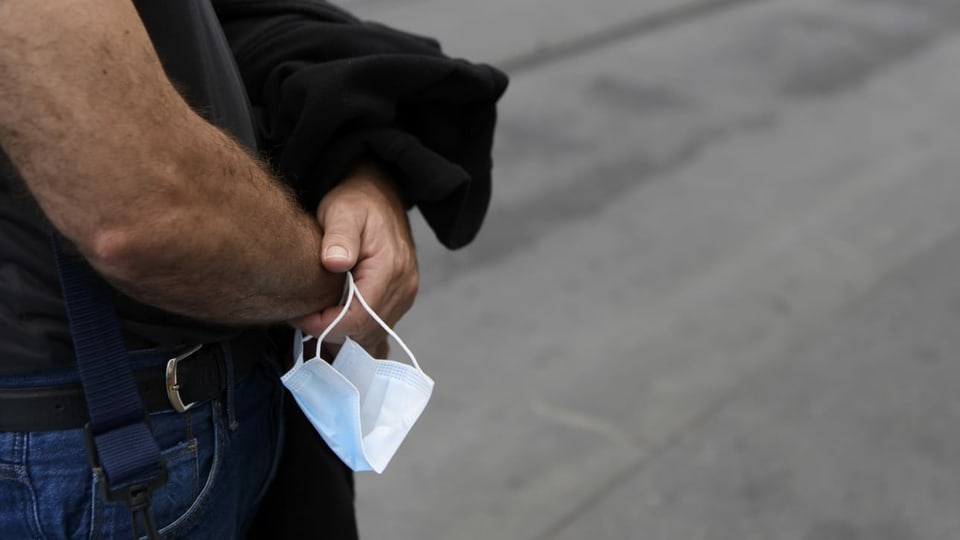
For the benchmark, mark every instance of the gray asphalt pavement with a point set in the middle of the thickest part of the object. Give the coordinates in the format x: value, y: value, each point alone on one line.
x: 718, y: 293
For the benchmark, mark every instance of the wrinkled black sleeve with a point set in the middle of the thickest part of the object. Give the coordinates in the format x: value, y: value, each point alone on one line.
x: 328, y: 88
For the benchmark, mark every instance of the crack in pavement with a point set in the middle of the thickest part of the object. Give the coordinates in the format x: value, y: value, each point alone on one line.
x: 613, y: 34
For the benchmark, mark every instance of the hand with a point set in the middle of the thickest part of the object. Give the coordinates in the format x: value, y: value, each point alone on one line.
x: 365, y: 229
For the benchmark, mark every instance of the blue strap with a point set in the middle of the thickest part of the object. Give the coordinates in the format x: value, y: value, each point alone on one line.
x: 123, y: 444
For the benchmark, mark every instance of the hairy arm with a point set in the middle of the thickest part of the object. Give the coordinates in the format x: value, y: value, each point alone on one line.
x: 164, y: 205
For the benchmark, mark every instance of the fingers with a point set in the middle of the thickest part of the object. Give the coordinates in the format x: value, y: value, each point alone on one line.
x: 357, y: 325
x: 329, y: 349
x: 311, y: 325
x: 382, y: 350
x: 388, y: 298
x: 365, y: 229
x: 342, y: 226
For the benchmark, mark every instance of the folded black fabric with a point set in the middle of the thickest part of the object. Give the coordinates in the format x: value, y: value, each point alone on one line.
x: 328, y: 88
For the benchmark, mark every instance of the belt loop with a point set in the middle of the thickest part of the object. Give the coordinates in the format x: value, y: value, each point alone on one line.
x: 228, y: 365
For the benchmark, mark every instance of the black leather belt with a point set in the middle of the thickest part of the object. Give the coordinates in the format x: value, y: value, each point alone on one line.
x: 182, y: 381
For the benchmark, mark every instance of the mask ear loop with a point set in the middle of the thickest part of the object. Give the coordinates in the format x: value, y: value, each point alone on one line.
x: 350, y: 288
x: 303, y: 338
x: 383, y: 325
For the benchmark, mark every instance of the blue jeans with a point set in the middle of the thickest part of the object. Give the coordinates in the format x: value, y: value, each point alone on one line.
x: 219, y: 461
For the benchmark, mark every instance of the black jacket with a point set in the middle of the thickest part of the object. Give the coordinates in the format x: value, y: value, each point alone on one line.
x: 327, y: 88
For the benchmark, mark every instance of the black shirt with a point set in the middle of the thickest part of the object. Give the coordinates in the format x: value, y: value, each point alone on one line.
x: 33, y: 329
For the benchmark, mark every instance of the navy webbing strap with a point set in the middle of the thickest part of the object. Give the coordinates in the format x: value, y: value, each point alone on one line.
x: 118, y: 437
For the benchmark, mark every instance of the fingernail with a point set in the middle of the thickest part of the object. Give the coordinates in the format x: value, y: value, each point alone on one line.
x: 337, y: 252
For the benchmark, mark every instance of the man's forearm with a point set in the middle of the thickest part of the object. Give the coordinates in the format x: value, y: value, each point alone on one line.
x: 167, y: 207
x: 240, y: 250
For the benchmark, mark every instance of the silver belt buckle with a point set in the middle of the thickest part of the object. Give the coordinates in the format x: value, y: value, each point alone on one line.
x: 173, y: 386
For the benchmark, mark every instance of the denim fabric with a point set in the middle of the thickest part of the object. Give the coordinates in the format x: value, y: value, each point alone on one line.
x: 218, y: 472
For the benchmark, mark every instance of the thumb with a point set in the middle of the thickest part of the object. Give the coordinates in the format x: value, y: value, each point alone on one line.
x: 341, y: 239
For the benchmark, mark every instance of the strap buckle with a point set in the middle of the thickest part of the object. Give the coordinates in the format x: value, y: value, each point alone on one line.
x: 133, y: 493
x: 136, y: 494
x: 173, y: 385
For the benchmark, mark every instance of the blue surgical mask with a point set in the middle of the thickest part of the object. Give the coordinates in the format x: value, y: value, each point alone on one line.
x: 361, y: 406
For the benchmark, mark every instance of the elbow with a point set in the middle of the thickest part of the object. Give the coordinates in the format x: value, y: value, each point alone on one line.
x: 142, y: 250
x: 113, y: 252
x: 132, y: 253
x: 142, y: 244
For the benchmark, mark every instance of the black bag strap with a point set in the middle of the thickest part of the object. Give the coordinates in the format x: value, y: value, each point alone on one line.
x: 119, y: 440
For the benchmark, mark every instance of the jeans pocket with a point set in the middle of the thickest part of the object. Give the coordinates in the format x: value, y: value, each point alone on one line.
x: 213, y: 482
x: 208, y: 461
x: 169, y: 501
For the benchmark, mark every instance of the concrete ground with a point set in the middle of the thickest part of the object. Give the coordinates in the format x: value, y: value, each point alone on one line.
x: 718, y: 293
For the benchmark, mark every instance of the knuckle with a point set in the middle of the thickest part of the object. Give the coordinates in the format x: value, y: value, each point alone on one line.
x: 360, y: 326
x: 409, y: 289
x: 413, y: 283
x: 335, y: 234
